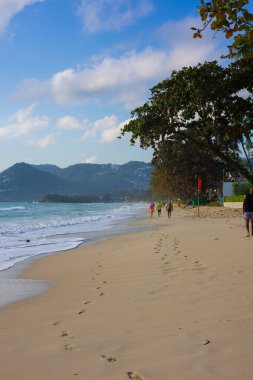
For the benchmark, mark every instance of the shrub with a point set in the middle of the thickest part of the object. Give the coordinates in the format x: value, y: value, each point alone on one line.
x: 241, y: 188
x: 234, y: 198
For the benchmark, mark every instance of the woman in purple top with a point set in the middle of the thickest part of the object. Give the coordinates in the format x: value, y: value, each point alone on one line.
x: 248, y: 211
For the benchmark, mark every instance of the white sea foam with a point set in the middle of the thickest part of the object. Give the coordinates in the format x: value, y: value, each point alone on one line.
x: 33, y: 229
x: 12, y: 208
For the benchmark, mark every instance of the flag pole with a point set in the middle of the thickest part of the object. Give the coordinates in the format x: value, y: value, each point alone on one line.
x: 199, y: 189
x: 198, y: 202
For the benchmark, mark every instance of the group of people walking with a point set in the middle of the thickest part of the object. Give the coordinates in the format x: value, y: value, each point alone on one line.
x: 158, y: 207
x: 247, y: 210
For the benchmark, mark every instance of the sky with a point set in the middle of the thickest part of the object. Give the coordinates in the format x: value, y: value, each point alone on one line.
x: 71, y: 72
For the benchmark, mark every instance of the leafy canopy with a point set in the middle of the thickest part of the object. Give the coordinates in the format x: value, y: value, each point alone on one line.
x: 177, y: 167
x: 231, y: 17
x: 200, y: 106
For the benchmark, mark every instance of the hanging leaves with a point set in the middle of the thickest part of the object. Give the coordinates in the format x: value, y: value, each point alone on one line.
x: 233, y: 18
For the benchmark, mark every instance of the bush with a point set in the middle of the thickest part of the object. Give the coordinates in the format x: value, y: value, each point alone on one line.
x: 241, y: 188
x: 234, y: 198
x: 214, y: 204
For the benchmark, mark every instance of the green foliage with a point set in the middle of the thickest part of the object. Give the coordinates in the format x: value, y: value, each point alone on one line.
x: 234, y: 198
x: 241, y: 188
x: 177, y: 167
x: 197, y: 113
x: 118, y: 196
x: 201, y: 201
x: 58, y: 198
x: 214, y: 204
x: 231, y: 17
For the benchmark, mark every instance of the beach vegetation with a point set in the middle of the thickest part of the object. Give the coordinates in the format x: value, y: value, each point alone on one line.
x: 137, y: 195
x: 197, y: 121
x: 234, y: 198
x: 232, y: 18
x: 178, y: 166
x: 214, y: 204
x: 241, y: 188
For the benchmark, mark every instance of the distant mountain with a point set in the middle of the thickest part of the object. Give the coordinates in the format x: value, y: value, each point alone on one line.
x: 25, y: 182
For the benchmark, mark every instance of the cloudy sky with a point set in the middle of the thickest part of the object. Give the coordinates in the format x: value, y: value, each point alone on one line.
x: 71, y: 71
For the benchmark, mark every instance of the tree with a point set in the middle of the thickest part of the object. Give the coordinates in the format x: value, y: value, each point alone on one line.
x: 179, y: 164
x: 200, y: 106
x: 233, y: 19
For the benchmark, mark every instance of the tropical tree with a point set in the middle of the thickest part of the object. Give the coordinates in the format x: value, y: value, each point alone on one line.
x: 179, y: 164
x: 233, y: 18
x: 203, y: 107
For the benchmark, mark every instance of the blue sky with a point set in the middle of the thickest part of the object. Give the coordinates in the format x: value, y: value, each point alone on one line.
x: 71, y: 71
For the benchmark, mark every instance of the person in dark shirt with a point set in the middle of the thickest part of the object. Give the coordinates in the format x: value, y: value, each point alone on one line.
x: 248, y: 211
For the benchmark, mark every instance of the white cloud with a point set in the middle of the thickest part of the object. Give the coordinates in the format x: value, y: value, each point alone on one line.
x: 127, y: 78
x: 88, y: 134
x: 90, y: 160
x: 22, y: 123
x: 43, y: 142
x: 70, y: 123
x: 9, y: 8
x: 106, y: 129
x: 112, y: 132
x: 177, y: 38
x: 113, y: 76
x: 108, y: 75
x: 104, y: 15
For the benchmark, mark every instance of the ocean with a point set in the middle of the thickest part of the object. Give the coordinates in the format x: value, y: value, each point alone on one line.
x: 32, y: 229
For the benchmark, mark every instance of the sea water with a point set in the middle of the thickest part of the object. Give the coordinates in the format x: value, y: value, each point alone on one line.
x: 31, y: 229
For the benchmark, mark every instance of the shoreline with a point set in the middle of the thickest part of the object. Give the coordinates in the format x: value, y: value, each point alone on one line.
x: 14, y: 288
x: 171, y: 302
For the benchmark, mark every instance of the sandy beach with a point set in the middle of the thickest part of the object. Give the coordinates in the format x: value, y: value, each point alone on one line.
x: 173, y: 303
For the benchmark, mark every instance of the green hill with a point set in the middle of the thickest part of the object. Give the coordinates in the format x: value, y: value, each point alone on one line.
x: 25, y: 182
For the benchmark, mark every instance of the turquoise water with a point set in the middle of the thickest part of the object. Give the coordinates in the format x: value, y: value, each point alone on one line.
x: 31, y: 229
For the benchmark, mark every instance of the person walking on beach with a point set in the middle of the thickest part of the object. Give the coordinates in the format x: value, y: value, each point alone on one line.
x: 151, y: 209
x: 169, y: 208
x: 248, y: 211
x: 159, y: 208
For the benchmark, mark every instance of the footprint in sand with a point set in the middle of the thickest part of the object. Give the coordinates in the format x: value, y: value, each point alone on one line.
x: 69, y: 347
x: 101, y: 294
x: 86, y: 303
x: 110, y: 359
x: 135, y: 376
x: 64, y: 333
x: 81, y: 311
x: 56, y: 323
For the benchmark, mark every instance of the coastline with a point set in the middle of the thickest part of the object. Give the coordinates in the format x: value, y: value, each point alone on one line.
x: 170, y: 302
x: 13, y: 288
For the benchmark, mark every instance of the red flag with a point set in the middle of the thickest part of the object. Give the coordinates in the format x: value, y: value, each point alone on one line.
x: 199, y: 184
